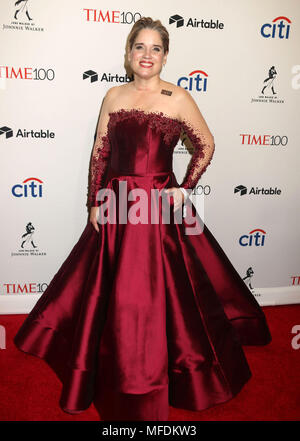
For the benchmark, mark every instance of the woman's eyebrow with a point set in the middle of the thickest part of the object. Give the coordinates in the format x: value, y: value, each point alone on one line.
x: 152, y: 45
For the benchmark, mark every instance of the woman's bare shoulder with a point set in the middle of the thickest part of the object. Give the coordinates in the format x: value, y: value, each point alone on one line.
x: 180, y: 97
x: 114, y: 94
x: 185, y: 102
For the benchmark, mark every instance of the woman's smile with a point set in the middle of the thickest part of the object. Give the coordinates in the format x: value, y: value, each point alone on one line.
x: 146, y: 64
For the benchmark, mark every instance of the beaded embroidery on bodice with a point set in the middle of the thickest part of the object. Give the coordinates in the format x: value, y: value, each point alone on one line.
x: 170, y: 127
x: 155, y: 119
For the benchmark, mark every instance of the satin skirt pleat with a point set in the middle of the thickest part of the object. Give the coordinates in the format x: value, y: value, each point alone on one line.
x: 143, y: 316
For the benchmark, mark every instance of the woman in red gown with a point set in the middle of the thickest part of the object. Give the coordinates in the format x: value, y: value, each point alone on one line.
x: 142, y: 315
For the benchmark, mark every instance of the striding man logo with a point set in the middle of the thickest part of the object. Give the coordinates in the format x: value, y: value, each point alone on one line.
x: 27, y: 237
x: 248, y: 277
x: 21, y: 6
x: 269, y: 82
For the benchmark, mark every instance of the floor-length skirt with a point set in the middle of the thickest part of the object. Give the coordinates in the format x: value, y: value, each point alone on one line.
x: 140, y: 316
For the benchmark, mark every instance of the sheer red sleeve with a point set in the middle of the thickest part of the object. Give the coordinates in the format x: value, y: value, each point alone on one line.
x: 99, y: 161
x: 196, y: 129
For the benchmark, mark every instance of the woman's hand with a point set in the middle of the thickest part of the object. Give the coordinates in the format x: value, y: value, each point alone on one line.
x: 93, y: 217
x: 177, y: 195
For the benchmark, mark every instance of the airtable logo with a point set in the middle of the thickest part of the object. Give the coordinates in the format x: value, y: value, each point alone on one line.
x: 7, y: 131
x: 23, y: 133
x: 242, y: 190
x: 279, y: 28
x: 29, y: 187
x: 106, y: 77
x: 197, y: 80
x: 195, y: 22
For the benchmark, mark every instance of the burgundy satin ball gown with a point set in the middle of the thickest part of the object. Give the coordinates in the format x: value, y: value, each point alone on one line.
x: 140, y: 316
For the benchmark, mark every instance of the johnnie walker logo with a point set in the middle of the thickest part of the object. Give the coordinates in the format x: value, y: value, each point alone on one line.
x: 22, y: 18
x: 268, y: 92
x: 28, y: 245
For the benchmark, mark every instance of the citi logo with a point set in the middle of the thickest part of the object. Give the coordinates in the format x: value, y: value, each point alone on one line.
x: 254, y: 238
x: 30, y: 187
x: 279, y: 28
x: 196, y: 80
x: 242, y: 190
x: 108, y: 78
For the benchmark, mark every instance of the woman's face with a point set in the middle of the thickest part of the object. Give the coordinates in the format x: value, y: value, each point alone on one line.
x: 147, y: 57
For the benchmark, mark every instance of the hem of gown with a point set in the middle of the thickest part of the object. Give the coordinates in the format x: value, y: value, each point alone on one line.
x: 44, y: 358
x: 252, y: 331
x: 182, y: 400
x: 55, y: 355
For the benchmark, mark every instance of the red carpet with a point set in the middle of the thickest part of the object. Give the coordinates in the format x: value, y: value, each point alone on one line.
x: 30, y: 390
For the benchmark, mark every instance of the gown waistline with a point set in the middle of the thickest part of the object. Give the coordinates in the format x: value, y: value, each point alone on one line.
x: 116, y: 173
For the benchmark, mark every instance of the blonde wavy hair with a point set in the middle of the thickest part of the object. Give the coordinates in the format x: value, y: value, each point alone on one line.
x: 145, y: 23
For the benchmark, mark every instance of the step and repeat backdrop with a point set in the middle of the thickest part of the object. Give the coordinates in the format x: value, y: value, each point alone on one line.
x: 240, y: 62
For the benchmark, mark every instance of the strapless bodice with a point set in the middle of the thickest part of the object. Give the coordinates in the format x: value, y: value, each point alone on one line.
x: 142, y: 142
